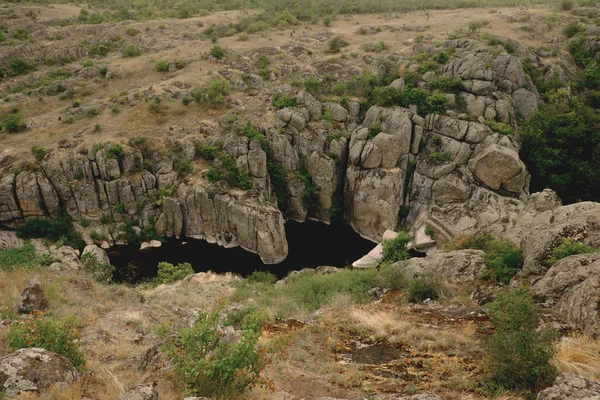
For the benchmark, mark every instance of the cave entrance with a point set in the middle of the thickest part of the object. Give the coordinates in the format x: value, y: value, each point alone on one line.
x: 310, y: 245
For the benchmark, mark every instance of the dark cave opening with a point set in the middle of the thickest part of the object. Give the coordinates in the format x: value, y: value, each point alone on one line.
x: 310, y: 245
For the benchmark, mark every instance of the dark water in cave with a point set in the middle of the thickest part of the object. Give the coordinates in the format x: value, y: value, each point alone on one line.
x: 310, y: 244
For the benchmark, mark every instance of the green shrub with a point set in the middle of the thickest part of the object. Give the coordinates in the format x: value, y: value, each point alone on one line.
x: 312, y: 85
x: 436, y: 103
x: 578, y: 49
x: 169, y: 273
x: 116, y: 152
x: 57, y: 230
x: 23, y: 257
x: 439, y: 158
x: 336, y: 44
x: 13, y: 122
x: 2, y: 37
x: 441, y: 57
x: 428, y: 66
x: 217, y: 90
x: 252, y: 134
x: 421, y: 289
x: 568, y: 247
x: 310, y: 194
x: 278, y: 174
x: 207, y: 151
x: 132, y: 51
x: 518, y: 356
x: 100, y: 272
x: 559, y: 147
x: 41, y: 331
x: 39, y: 152
x: 445, y: 84
x: 218, y: 52
x: 18, y: 66
x: 339, y: 89
x: 374, y: 130
x: 162, y: 65
x: 131, y: 31
x: 207, y: 364
x: 381, y: 46
x: 573, y: 29
x: 500, y: 127
x: 262, y: 277
x: 182, y: 166
x: 395, y: 249
x: 286, y: 100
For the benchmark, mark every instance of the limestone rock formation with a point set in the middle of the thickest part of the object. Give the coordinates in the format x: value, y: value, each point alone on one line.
x: 96, y: 252
x: 31, y: 370
x: 140, y: 392
x: 570, y: 386
x: 572, y: 288
x: 457, y: 265
x: 33, y: 297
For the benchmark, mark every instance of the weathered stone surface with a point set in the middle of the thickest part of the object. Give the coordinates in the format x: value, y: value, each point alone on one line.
x: 33, y: 297
x: 96, y: 252
x: 526, y: 103
x: 451, y: 188
x: 572, y: 287
x: 495, y: 164
x: 570, y: 386
x: 455, y: 265
x: 31, y: 370
x: 140, y: 392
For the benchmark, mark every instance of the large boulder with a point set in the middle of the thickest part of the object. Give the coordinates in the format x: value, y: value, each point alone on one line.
x: 96, y: 252
x: 33, y: 297
x: 457, y: 265
x: 570, y: 386
x: 572, y: 288
x: 526, y: 102
x: 497, y: 166
x: 140, y: 392
x: 33, y: 369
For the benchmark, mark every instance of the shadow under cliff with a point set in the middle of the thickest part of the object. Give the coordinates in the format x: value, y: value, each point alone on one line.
x: 311, y: 244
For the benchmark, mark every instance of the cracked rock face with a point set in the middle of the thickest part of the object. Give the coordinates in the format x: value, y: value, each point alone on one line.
x: 572, y: 387
x: 33, y: 297
x: 33, y: 370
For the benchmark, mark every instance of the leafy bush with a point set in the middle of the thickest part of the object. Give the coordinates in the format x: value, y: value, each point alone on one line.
x: 262, y: 277
x: 560, y: 143
x: 100, y: 272
x: 574, y: 28
x: 500, y: 127
x: 439, y: 158
x: 162, y: 65
x: 169, y: 273
x: 57, y: 230
x: 217, y: 90
x: 132, y: 51
x: 40, y: 331
x: 503, y: 258
x: 445, y: 84
x: 441, y: 57
x: 336, y: 44
x: 207, y: 151
x: 116, y: 152
x: 436, y: 103
x: 518, y: 356
x: 421, y: 289
x: 568, y: 247
x: 312, y: 85
x: 206, y: 364
x: 13, y: 122
x: 23, y: 257
x: 395, y: 249
x: 18, y: 66
x: 218, y: 52
x: 286, y: 100
x: 39, y: 152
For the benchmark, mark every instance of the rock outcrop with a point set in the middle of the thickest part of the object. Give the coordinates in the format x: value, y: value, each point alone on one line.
x: 33, y: 297
x: 140, y: 392
x: 460, y: 265
x: 572, y: 288
x: 31, y: 370
x: 570, y: 386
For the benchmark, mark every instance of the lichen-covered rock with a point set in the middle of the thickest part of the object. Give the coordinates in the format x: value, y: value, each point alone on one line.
x: 96, y: 252
x: 33, y: 369
x: 572, y: 288
x: 140, y: 392
x: 33, y: 297
x: 570, y: 386
x: 457, y: 265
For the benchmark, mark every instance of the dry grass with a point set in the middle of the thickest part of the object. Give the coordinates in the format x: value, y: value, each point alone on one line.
x: 580, y: 355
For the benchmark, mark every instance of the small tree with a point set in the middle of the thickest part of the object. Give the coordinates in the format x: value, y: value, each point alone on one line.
x: 519, y: 356
x: 169, y: 273
x: 218, y: 52
x: 395, y: 249
x: 13, y: 122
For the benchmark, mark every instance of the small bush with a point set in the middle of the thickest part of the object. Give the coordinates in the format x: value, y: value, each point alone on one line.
x: 218, y: 52
x: 13, y: 122
x: 100, y: 272
x: 18, y: 66
x: 57, y: 230
x: 395, y: 249
x: 519, y: 356
x: 441, y: 57
x: 287, y: 100
x: 39, y: 152
x: 162, y: 65
x: 445, y: 84
x: 132, y: 51
x: 207, y: 151
x: 217, y: 90
x: 169, y: 273
x: 40, y: 331
x: 422, y: 289
x: 336, y: 44
x: 312, y: 85
x: 116, y: 152
x: 573, y: 29
x: 568, y: 247
x: 207, y: 364
x: 500, y: 127
x: 439, y: 158
x: 262, y: 277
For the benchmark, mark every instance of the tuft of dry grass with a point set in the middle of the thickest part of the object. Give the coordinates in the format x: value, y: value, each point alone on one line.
x: 580, y: 355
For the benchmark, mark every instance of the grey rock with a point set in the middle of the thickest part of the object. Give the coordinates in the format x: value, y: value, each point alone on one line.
x: 457, y: 265
x: 570, y: 386
x: 96, y: 252
x: 140, y: 392
x: 526, y: 102
x: 33, y: 297
x: 32, y: 369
